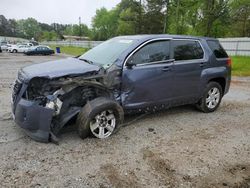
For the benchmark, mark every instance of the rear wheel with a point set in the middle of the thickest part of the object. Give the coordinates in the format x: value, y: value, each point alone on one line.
x: 99, y: 117
x: 15, y: 51
x: 211, y: 98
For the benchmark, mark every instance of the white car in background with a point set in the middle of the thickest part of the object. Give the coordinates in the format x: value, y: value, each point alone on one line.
x: 10, y: 47
x: 18, y: 48
x: 5, y: 47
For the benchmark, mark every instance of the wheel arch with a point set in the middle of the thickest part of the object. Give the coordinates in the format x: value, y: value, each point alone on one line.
x: 214, y: 74
x: 91, y: 92
x: 221, y: 81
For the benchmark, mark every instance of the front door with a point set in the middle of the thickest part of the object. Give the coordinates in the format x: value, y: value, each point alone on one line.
x: 149, y: 81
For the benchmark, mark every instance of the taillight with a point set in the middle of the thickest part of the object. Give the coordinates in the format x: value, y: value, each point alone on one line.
x: 229, y: 62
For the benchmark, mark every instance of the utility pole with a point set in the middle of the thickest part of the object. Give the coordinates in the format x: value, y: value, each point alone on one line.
x: 140, y: 17
x: 80, y: 26
x: 166, y: 17
x: 165, y: 28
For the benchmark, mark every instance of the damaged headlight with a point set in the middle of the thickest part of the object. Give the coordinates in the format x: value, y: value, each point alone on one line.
x: 53, y: 102
x: 55, y: 105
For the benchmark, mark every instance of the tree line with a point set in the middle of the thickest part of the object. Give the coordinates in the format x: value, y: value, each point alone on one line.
x: 213, y: 18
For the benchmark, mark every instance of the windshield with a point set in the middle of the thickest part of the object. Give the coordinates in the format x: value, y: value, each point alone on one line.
x: 107, y: 53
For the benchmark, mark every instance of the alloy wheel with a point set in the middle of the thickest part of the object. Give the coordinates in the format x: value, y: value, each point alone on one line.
x: 213, y: 98
x: 103, y: 124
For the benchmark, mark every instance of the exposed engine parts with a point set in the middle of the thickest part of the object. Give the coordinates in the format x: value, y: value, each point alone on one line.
x: 54, y: 102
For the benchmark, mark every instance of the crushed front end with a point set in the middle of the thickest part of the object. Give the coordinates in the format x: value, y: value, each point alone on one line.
x: 34, y: 116
x: 43, y: 105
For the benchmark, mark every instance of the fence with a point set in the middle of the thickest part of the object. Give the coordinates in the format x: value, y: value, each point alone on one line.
x: 236, y: 46
x: 233, y: 46
x: 12, y: 39
x: 84, y: 44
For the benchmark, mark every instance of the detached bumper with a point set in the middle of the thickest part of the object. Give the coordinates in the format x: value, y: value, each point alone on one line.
x: 34, y: 119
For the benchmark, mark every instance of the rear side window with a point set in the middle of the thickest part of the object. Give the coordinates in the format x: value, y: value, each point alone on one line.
x: 187, y: 50
x: 217, y: 49
x: 152, y: 52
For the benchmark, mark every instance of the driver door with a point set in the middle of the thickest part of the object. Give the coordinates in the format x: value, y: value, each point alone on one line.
x: 147, y: 78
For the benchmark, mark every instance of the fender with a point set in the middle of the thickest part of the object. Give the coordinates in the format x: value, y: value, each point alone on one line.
x: 212, y: 73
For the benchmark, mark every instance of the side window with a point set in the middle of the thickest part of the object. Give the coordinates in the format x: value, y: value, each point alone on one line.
x: 187, y: 50
x: 152, y: 52
x: 217, y: 49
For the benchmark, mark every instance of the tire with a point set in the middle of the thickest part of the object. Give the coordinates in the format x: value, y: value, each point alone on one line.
x: 209, y: 101
x: 14, y: 51
x: 91, y: 120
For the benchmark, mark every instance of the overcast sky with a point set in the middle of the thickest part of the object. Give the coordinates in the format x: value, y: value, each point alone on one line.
x: 50, y: 11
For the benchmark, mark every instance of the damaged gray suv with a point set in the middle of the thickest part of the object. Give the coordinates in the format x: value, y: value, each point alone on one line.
x: 128, y: 74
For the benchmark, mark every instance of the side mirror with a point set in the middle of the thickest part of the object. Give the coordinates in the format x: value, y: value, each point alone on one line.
x: 130, y: 62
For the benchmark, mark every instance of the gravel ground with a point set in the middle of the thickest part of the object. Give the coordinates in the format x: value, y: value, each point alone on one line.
x: 180, y: 147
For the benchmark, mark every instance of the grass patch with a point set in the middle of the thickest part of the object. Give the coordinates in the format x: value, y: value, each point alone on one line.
x: 70, y: 50
x: 240, y: 65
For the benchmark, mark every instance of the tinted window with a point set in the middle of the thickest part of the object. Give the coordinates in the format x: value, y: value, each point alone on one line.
x: 152, y: 52
x: 217, y: 49
x: 187, y: 49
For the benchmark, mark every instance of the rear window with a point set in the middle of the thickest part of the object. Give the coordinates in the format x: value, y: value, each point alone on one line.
x: 187, y: 50
x: 217, y: 49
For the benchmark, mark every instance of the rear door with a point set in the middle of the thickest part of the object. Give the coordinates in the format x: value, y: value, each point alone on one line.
x: 150, y: 81
x: 189, y: 62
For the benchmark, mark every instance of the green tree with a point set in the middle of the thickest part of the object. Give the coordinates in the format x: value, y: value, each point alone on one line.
x: 213, y: 11
x: 49, y: 36
x: 153, y: 18
x: 5, y: 27
x: 80, y: 30
x: 240, y: 15
x: 105, y: 24
x: 29, y: 28
x: 130, y: 17
x: 178, y: 16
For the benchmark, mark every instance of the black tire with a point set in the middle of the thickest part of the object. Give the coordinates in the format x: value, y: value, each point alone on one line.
x: 202, y: 105
x: 15, y: 51
x: 94, y: 107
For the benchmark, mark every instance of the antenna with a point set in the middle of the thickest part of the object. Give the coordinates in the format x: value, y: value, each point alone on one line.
x: 80, y: 26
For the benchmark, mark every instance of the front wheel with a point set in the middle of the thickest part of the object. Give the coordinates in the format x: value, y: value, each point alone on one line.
x: 99, y: 117
x: 211, y: 98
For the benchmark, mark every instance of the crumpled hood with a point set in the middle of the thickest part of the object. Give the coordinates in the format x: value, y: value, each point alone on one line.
x: 57, y: 68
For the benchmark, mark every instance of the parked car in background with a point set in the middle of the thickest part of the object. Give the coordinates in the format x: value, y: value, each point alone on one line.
x: 129, y: 74
x: 39, y: 50
x: 4, y: 46
x: 33, y: 43
x: 19, y: 48
x: 29, y: 44
x: 10, y: 47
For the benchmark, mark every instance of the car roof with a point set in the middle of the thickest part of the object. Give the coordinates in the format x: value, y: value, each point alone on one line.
x: 145, y: 37
x: 34, y: 47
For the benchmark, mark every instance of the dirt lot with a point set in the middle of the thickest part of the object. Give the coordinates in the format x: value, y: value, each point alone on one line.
x: 177, y: 148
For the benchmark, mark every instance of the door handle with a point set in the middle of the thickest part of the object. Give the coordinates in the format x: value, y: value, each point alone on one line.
x: 165, y: 69
x: 202, y: 64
